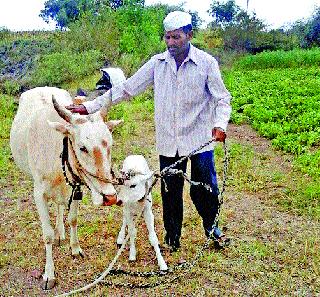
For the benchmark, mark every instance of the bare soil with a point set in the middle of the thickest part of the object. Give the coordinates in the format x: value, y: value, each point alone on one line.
x: 273, y: 252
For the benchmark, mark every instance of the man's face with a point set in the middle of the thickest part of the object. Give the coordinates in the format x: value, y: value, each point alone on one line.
x: 177, y: 42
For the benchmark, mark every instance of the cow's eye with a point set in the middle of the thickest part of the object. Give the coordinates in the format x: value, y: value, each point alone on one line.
x: 84, y: 149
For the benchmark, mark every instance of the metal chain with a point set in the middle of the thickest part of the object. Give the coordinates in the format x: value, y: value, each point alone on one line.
x: 185, y: 267
x: 168, y: 168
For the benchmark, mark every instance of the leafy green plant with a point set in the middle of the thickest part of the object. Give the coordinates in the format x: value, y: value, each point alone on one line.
x: 56, y: 68
x: 278, y: 94
x: 280, y: 59
x: 10, y: 87
x: 309, y: 163
x: 140, y: 29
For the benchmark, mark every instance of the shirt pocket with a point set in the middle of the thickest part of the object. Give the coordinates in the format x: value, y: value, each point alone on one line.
x: 193, y: 86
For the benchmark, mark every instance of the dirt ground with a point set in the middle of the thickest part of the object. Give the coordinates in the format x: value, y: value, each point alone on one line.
x: 273, y: 252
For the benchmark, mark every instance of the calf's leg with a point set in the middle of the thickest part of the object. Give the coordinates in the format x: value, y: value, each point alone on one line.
x: 132, y: 230
x: 122, y: 232
x: 149, y: 219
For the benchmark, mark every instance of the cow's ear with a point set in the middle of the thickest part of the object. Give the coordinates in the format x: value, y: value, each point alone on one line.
x: 62, y: 128
x: 112, y: 124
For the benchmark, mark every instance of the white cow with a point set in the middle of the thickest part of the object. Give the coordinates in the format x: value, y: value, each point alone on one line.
x: 136, y: 197
x: 36, y: 143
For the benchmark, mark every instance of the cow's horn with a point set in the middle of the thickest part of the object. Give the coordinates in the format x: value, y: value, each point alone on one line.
x: 105, y: 108
x: 62, y: 112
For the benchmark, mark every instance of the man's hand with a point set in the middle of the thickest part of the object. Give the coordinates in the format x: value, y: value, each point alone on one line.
x: 77, y: 109
x: 219, y: 134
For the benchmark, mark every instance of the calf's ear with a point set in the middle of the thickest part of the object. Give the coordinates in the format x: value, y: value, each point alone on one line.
x: 112, y: 124
x: 62, y: 128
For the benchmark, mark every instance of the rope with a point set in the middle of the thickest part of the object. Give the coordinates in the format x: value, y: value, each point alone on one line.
x: 106, y: 272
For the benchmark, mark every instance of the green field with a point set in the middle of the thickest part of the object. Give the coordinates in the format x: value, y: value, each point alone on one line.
x: 281, y: 100
x: 271, y: 210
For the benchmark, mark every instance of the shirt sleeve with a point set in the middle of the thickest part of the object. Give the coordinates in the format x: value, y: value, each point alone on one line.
x: 133, y: 86
x: 221, y: 98
x: 94, y: 105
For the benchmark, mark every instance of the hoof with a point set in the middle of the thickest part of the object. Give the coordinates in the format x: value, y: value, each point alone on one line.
x: 48, y: 284
x: 220, y: 245
x: 164, y: 270
x: 78, y: 255
x: 182, y: 261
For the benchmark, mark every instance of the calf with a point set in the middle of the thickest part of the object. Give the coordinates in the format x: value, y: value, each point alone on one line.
x: 136, y: 197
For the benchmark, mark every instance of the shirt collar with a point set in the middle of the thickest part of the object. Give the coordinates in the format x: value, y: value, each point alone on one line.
x: 192, y: 55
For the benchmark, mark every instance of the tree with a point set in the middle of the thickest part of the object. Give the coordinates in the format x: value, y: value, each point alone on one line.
x: 224, y: 14
x: 313, y: 34
x: 239, y: 29
x: 308, y: 31
x: 196, y: 21
x: 64, y: 12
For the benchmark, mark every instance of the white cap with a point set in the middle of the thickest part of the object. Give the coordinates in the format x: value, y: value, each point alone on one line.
x: 116, y: 75
x: 175, y: 20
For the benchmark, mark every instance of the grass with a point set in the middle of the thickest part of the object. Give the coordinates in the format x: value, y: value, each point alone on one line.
x: 280, y: 59
x: 277, y: 94
x: 268, y: 212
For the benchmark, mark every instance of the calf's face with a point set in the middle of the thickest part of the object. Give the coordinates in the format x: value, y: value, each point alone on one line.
x: 137, y: 179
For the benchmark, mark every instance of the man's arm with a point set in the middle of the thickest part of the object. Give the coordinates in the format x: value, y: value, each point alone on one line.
x: 133, y: 86
x: 80, y: 109
x: 220, y: 105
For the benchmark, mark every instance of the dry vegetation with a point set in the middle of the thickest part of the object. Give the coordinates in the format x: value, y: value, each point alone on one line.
x: 274, y: 252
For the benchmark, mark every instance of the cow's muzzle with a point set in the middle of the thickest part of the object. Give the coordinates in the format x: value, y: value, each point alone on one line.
x: 109, y: 200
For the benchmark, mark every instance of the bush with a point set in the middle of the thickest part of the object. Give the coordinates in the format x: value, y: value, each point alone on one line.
x: 130, y: 29
x: 4, y: 33
x: 8, y: 109
x: 56, y: 68
x: 129, y: 63
x: 92, y: 32
x: 140, y: 29
x: 10, y: 87
x: 208, y: 39
x: 280, y: 59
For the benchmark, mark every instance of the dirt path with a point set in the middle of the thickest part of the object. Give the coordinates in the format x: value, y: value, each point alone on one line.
x: 274, y: 252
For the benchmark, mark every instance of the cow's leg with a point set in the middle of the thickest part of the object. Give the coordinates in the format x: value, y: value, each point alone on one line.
x: 59, y: 231
x: 48, y: 234
x: 73, y: 222
x: 122, y: 232
x: 153, y: 238
x: 132, y: 230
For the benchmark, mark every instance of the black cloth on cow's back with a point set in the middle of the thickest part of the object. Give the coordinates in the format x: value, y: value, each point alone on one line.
x: 81, y: 92
x: 103, y: 85
x: 104, y: 82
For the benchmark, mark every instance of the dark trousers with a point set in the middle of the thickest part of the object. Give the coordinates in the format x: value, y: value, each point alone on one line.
x: 206, y: 202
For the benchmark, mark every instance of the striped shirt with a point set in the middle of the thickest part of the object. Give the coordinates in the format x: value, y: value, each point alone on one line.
x: 188, y: 102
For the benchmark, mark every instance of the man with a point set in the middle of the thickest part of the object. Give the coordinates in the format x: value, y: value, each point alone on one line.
x: 192, y: 105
